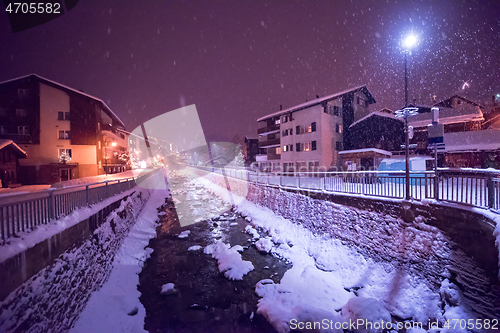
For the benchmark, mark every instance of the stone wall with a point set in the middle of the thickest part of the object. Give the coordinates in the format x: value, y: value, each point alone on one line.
x: 70, y: 266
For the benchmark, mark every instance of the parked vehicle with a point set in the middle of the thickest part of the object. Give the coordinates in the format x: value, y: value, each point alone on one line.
x: 418, y: 163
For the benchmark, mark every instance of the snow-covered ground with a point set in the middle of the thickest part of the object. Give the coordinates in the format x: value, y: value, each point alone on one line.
x: 116, y: 306
x: 22, y: 189
x: 97, y: 179
x: 334, y: 285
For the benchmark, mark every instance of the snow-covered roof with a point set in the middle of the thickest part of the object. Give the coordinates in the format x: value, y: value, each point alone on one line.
x: 71, y: 89
x: 5, y: 143
x: 252, y: 137
x: 448, y: 101
x: 472, y: 141
x: 316, y: 101
x: 458, y: 114
x: 375, y: 113
x: 375, y: 150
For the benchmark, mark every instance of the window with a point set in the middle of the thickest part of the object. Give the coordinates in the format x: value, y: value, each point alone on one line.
x: 338, y: 128
x: 277, y: 121
x: 99, y: 145
x: 3, y: 129
x: 63, y: 135
x: 285, y: 119
x: 23, y: 130
x: 21, y: 113
x: 307, y: 146
x: 313, y: 145
x: 305, y: 129
x: 338, y: 145
x: 22, y: 93
x: 301, y: 166
x: 285, y: 148
x: 63, y: 115
x: 278, y: 150
x: 333, y: 110
x: 63, y: 151
x: 298, y: 146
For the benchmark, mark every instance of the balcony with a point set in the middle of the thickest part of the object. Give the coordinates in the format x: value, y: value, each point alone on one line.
x: 268, y: 129
x: 269, y: 143
x: 17, y: 138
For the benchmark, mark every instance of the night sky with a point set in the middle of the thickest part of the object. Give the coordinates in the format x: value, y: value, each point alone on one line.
x: 238, y: 61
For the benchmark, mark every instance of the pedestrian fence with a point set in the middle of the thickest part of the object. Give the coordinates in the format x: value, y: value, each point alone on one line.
x: 475, y: 188
x: 24, y: 211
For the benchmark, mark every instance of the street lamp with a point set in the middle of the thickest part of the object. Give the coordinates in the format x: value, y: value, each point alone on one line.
x: 113, y: 144
x: 408, y: 43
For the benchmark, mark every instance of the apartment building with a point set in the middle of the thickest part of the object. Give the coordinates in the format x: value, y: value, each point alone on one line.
x: 66, y: 133
x: 308, y: 136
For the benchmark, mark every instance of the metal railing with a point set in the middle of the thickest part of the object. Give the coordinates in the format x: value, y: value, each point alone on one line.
x: 475, y: 188
x: 23, y: 212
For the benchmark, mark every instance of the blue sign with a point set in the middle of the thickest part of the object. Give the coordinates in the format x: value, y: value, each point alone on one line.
x: 437, y: 139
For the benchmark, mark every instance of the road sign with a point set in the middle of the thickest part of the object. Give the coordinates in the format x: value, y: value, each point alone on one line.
x: 440, y: 146
x: 438, y: 139
x: 435, y: 133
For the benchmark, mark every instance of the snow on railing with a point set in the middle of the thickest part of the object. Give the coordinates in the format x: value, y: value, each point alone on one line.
x: 24, y: 211
x: 476, y: 187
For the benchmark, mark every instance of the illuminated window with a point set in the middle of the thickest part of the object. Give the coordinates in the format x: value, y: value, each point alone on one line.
x: 63, y: 135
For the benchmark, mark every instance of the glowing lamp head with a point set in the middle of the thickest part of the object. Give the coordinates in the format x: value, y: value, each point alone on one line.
x: 113, y: 144
x: 410, y: 41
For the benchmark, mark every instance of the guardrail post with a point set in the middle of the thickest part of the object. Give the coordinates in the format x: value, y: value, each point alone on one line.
x: 87, y: 195
x: 491, y: 192
x: 436, y: 186
x: 107, y: 194
x: 52, y: 213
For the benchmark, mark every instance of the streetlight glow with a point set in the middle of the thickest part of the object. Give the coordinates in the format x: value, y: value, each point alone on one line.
x: 410, y: 41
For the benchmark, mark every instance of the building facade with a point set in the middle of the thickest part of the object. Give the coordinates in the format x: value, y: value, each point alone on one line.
x: 308, y: 137
x: 66, y: 133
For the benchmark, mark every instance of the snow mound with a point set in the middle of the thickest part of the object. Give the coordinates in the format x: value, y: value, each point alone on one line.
x: 194, y: 248
x: 367, y: 311
x: 184, y: 234
x: 229, y: 260
x: 264, y: 245
x: 233, y: 224
x: 302, y: 288
x: 167, y: 289
x: 252, y: 232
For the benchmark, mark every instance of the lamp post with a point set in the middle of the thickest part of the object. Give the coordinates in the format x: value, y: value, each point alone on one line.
x: 113, y: 144
x: 408, y: 43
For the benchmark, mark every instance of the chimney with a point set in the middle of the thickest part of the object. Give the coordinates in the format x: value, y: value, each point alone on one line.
x: 281, y: 107
x: 493, y: 100
x: 317, y: 96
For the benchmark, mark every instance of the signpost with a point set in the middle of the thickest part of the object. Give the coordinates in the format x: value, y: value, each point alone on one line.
x: 435, y: 138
